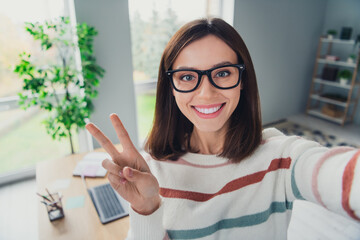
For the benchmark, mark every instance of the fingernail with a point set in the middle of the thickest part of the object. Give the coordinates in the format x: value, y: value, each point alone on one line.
x: 121, y: 173
x: 131, y: 173
x: 122, y: 180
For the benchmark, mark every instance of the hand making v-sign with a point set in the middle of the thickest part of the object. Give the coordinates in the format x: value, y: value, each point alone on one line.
x: 129, y: 174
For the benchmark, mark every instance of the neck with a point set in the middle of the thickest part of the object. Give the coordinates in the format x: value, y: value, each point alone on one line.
x: 208, y: 142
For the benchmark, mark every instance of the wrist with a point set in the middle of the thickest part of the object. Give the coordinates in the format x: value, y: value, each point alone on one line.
x: 150, y: 207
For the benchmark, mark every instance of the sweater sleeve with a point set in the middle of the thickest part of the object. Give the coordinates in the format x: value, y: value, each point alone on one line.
x: 326, y: 176
x: 147, y: 227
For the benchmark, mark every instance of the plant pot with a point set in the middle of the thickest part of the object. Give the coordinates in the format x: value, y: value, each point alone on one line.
x: 330, y: 37
x: 350, y: 60
x: 344, y: 81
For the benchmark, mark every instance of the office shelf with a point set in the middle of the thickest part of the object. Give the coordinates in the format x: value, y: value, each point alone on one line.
x: 318, y: 113
x: 336, y: 63
x: 319, y: 103
x: 334, y: 84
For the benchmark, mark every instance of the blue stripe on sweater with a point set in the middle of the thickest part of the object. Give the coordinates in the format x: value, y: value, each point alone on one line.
x: 294, y: 187
x: 244, y: 221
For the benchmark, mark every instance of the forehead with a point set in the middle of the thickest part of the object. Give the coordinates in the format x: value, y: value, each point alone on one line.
x: 204, y: 53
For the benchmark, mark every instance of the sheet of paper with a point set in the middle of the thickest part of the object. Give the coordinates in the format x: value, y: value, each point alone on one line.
x: 75, y: 202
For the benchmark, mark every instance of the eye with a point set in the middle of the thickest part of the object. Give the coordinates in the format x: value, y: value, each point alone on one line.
x: 187, y: 78
x: 222, y: 74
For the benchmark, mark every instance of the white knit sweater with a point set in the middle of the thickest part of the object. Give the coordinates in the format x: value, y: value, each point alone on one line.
x: 207, y: 197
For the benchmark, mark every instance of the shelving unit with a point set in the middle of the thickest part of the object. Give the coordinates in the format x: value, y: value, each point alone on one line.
x: 330, y: 99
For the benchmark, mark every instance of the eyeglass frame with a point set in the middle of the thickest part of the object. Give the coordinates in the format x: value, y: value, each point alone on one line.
x: 207, y: 72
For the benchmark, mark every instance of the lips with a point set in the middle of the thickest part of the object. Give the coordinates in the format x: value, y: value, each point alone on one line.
x: 208, y: 111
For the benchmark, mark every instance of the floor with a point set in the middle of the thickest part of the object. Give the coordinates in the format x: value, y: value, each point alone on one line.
x: 18, y: 211
x: 349, y: 132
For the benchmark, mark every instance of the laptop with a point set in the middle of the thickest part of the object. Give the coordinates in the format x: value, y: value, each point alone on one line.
x: 108, y: 203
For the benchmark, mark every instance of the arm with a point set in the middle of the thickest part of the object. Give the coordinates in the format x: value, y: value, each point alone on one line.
x: 131, y: 177
x: 326, y: 176
x: 147, y: 226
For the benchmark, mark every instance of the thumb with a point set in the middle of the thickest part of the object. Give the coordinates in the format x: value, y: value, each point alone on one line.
x: 132, y: 175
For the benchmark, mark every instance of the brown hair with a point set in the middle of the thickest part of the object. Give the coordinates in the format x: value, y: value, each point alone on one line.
x: 170, y: 135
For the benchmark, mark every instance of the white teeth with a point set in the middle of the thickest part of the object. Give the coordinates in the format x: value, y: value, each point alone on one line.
x: 208, y: 110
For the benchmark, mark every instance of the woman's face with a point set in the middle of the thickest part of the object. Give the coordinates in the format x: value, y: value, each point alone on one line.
x: 208, y: 108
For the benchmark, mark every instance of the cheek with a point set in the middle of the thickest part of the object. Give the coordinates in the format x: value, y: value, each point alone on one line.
x: 235, y: 99
x: 182, y: 101
x: 235, y: 94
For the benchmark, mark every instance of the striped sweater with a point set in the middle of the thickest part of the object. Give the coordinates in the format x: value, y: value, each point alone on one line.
x: 207, y: 197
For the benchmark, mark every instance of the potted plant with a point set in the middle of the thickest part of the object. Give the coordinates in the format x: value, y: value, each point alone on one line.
x: 345, y: 76
x: 331, y: 33
x: 351, y: 58
x: 61, y: 88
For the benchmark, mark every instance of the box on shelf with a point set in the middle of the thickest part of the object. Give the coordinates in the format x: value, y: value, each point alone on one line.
x: 332, y: 111
x: 329, y: 73
x: 332, y: 58
x: 345, y: 33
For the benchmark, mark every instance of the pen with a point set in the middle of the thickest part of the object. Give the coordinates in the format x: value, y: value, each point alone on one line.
x: 49, y: 194
x: 45, y: 203
x: 43, y: 197
x: 49, y: 203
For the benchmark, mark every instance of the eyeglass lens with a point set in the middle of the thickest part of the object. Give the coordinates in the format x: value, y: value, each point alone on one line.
x: 224, y: 77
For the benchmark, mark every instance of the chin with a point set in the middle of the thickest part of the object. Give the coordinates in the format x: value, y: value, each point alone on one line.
x: 208, y: 129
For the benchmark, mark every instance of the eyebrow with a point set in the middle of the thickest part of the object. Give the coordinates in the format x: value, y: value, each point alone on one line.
x: 216, y: 65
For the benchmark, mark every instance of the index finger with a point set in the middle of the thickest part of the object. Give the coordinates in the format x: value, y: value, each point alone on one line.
x: 102, y: 139
x: 121, y: 132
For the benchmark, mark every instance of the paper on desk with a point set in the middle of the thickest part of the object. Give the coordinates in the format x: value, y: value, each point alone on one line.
x: 75, y: 202
x: 90, y: 165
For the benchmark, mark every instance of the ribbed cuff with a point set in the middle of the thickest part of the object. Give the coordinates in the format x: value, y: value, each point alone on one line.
x: 146, y: 226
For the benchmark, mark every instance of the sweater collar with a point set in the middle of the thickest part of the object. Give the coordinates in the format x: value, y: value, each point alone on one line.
x: 204, y: 159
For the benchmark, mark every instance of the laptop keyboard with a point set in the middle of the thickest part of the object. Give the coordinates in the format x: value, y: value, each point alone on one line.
x: 107, y: 205
x: 110, y: 204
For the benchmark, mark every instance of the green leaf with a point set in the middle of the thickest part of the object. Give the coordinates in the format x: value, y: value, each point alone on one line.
x: 42, y: 81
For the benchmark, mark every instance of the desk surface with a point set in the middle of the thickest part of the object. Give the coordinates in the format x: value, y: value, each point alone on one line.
x: 78, y: 223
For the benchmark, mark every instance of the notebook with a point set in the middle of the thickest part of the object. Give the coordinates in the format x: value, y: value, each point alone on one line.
x: 90, y: 165
x: 108, y: 203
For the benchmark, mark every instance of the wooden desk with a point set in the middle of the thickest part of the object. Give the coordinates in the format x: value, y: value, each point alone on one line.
x: 78, y: 223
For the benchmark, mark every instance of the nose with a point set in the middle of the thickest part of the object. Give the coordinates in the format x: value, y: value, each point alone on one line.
x: 205, y: 89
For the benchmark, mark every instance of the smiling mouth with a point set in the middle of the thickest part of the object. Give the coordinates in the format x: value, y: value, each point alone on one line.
x: 209, y: 109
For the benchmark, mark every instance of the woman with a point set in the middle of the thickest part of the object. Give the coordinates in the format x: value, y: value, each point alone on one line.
x: 210, y: 171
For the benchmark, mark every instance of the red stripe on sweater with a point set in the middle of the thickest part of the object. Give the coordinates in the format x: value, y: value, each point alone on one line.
x: 316, y: 171
x: 348, y: 177
x: 278, y: 163
x: 166, y: 237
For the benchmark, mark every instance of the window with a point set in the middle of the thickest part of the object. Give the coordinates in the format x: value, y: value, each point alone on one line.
x: 153, y: 22
x: 23, y: 138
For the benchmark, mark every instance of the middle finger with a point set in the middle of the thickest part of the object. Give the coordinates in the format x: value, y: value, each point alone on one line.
x: 121, y: 132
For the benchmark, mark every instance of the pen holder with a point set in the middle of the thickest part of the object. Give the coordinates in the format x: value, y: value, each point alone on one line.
x: 55, y: 209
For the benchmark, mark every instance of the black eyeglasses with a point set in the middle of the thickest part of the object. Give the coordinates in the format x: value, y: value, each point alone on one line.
x: 223, y: 77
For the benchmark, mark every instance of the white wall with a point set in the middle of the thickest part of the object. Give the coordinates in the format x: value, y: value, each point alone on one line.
x: 113, y: 52
x: 345, y: 13
x: 282, y: 38
x: 281, y: 35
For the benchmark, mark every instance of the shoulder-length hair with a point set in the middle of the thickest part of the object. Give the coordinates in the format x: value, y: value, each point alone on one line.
x: 171, y: 131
